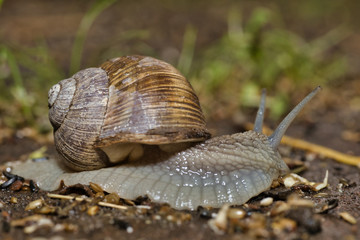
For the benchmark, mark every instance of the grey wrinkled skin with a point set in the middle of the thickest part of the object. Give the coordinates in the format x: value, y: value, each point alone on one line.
x: 226, y: 169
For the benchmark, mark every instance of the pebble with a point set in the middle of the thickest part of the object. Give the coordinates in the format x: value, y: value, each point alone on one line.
x: 266, y: 201
x: 236, y: 213
x: 13, y: 200
x: 112, y: 198
x: 16, y: 186
x: 348, y: 217
x: 34, y: 204
x: 284, y: 224
x: 93, y: 210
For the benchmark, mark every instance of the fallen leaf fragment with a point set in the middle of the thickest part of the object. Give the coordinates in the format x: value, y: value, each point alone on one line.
x: 295, y: 201
x: 293, y: 179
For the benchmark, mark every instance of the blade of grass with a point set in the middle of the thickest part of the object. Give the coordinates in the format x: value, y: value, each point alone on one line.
x: 98, y: 7
x: 40, y: 62
x: 18, y: 91
x: 187, y: 52
x: 234, y: 21
x: 329, y: 40
x: 14, y: 67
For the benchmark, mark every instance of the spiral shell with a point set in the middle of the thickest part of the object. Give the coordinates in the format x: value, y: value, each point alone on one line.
x: 150, y: 102
x: 132, y: 99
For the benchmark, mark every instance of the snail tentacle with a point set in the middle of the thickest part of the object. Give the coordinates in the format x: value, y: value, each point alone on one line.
x: 275, y: 138
x: 260, y: 113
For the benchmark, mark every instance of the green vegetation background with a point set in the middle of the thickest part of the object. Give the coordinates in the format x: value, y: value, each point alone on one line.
x: 253, y: 53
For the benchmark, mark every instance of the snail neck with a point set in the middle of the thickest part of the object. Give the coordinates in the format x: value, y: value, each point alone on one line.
x: 122, y: 151
x: 130, y: 152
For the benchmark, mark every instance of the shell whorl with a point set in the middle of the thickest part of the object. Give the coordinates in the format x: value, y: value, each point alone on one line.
x: 75, y: 138
x: 59, y: 99
x: 150, y: 102
x: 53, y: 94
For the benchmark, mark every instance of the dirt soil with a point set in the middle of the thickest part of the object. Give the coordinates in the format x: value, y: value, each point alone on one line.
x: 331, y: 121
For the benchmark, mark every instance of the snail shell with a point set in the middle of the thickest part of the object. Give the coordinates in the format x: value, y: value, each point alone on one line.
x: 102, y: 115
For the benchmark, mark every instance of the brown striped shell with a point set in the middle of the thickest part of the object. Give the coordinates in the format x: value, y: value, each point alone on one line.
x: 132, y: 99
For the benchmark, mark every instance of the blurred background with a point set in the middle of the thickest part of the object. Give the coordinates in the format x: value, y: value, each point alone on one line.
x: 229, y: 50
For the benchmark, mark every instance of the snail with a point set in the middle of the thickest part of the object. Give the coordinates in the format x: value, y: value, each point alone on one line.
x: 178, y: 164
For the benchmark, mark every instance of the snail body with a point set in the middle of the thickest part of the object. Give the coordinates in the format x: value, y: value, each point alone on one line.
x: 207, y: 174
x: 224, y: 169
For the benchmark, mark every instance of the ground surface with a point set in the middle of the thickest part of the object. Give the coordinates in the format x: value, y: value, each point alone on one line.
x: 332, y: 120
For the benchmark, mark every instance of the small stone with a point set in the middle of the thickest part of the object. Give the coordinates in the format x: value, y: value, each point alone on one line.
x: 93, y: 210
x: 16, y: 186
x: 204, y: 212
x: 304, y: 216
x: 13, y: 200
x: 112, y: 198
x: 34, y: 204
x: 284, y: 224
x: 236, y: 213
x: 121, y: 224
x: 348, y: 217
x: 170, y: 218
x: 46, y: 210
x: 185, y: 217
x: 266, y: 201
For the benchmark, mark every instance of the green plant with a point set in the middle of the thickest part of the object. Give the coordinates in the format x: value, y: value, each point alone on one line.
x: 261, y: 53
x: 76, y: 54
x: 187, y: 52
x: 251, y: 55
x: 24, y: 102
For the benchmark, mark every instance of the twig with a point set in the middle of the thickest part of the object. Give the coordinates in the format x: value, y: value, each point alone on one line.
x: 312, y: 147
x: 104, y: 204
